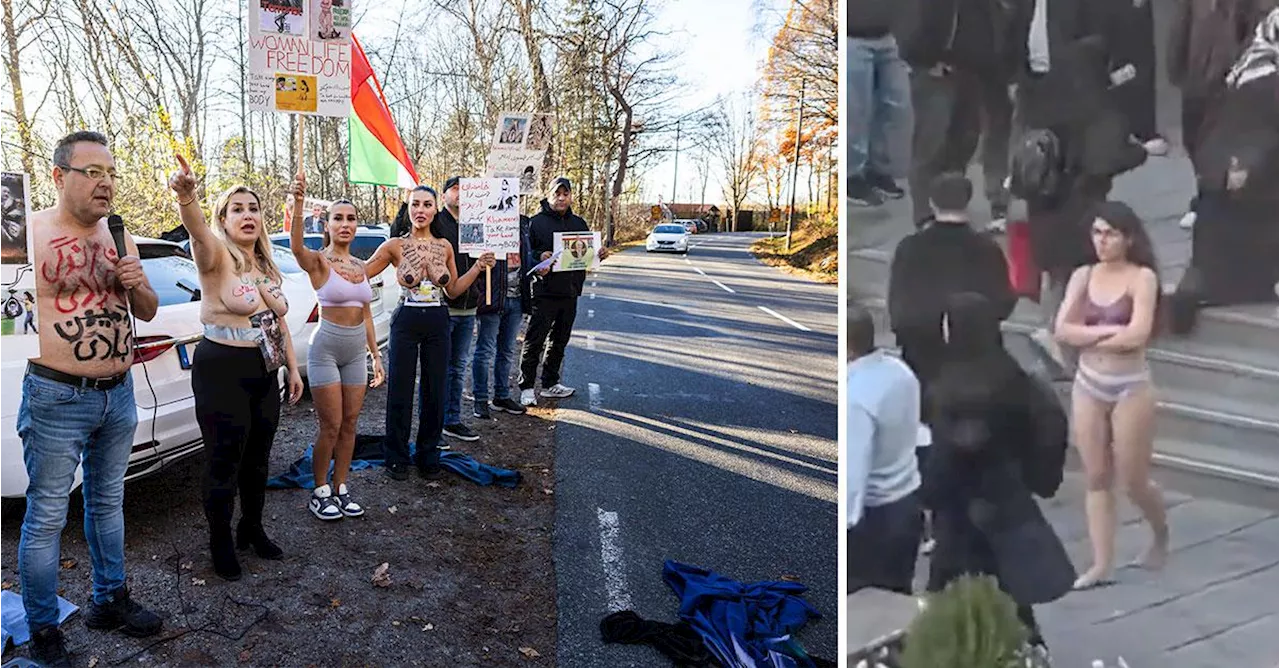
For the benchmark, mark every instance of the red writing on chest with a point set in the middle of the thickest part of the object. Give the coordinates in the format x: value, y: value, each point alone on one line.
x: 82, y: 273
x: 249, y: 292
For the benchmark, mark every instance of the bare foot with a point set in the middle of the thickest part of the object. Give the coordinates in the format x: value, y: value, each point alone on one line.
x: 1156, y: 555
x: 1094, y: 577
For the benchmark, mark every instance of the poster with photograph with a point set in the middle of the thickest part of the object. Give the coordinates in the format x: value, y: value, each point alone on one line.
x: 518, y: 163
x: 291, y: 73
x: 272, y: 341
x: 280, y: 17
x: 489, y: 216
x: 331, y: 21
x: 511, y: 131
x: 539, y: 136
x: 18, y: 312
x: 577, y: 250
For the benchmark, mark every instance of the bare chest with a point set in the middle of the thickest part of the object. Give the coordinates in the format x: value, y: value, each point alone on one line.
x: 85, y: 326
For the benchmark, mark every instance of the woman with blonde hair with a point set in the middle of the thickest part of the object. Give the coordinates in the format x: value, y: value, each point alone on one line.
x: 233, y: 373
x: 1110, y: 313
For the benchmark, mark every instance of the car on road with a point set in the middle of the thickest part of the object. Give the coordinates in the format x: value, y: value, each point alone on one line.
x: 702, y: 225
x: 672, y: 237
x: 167, y: 429
x: 690, y: 226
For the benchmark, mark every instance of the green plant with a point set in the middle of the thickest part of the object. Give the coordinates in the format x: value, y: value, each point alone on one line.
x: 970, y: 624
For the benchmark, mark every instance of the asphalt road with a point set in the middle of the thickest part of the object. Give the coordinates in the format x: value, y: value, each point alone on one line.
x: 704, y: 431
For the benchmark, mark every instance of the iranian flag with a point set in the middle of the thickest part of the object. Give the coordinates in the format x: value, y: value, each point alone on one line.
x: 377, y: 154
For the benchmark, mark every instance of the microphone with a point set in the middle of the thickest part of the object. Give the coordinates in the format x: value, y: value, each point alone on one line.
x: 116, y: 224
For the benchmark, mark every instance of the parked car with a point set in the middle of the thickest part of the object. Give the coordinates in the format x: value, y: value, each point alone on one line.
x: 702, y: 225
x: 668, y: 237
x: 167, y: 429
x: 690, y: 226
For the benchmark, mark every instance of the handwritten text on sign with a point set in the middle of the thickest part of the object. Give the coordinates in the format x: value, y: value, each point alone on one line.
x: 282, y: 70
x: 489, y: 216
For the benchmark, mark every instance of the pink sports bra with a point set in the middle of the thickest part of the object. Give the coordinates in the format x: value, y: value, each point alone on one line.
x: 338, y: 291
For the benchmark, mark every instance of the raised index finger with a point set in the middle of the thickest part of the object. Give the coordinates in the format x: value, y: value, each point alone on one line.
x: 182, y: 162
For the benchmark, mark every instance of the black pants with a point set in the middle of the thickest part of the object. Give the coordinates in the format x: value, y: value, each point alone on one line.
x: 884, y: 544
x: 238, y: 409
x: 951, y: 114
x: 552, y: 316
x: 419, y: 336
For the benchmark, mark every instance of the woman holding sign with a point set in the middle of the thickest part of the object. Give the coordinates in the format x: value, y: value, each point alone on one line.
x: 428, y: 275
x: 336, y: 358
x: 234, y: 370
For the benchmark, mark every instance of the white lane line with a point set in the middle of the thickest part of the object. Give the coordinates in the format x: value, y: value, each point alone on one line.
x: 686, y: 261
x: 615, y: 578
x: 593, y: 396
x: 784, y: 318
x: 591, y: 296
x: 593, y: 284
x: 591, y: 313
x: 591, y: 342
x: 726, y: 288
x: 700, y: 271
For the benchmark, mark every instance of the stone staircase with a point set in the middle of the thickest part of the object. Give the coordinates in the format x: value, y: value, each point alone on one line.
x: 1218, y: 388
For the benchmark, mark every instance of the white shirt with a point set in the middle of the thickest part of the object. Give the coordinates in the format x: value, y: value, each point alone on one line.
x: 1038, y: 38
x: 883, y: 432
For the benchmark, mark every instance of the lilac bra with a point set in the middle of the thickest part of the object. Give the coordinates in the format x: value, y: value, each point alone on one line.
x: 1118, y: 312
x: 338, y: 291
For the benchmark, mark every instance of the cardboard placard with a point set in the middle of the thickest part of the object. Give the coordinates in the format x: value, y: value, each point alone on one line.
x: 289, y: 71
x: 488, y: 216
x: 577, y: 251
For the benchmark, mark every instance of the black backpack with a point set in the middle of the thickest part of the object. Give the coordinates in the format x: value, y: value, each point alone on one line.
x: 1035, y: 170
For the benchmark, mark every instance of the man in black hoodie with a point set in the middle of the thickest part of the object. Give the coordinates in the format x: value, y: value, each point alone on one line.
x: 879, y: 96
x: 462, y: 317
x: 959, y: 54
x: 555, y: 296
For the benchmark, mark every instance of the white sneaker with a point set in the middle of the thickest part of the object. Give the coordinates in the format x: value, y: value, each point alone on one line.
x: 527, y: 398
x: 1156, y: 147
x: 557, y: 391
x: 345, y: 504
x: 996, y: 226
x: 323, y: 504
x: 1188, y: 220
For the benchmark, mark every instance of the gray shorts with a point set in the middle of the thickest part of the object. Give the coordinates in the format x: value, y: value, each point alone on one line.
x: 337, y: 354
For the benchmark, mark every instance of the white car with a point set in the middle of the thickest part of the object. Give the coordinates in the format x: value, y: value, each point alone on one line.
x: 386, y: 291
x: 668, y: 237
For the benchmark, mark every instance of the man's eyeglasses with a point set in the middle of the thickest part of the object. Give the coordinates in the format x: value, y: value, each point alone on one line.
x: 95, y: 173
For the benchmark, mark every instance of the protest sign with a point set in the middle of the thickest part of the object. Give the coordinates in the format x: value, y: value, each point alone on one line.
x: 290, y: 72
x: 18, y: 314
x: 577, y: 250
x: 331, y: 21
x: 517, y: 163
x: 539, y: 136
x: 488, y: 216
x: 511, y: 131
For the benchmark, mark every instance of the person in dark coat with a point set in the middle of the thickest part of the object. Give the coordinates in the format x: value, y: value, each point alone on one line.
x: 1234, y: 243
x: 1131, y: 50
x: 988, y: 458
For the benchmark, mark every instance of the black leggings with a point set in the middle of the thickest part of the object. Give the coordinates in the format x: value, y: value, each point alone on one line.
x: 419, y: 335
x: 238, y: 409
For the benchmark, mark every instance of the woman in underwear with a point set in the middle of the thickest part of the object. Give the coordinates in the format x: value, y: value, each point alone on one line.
x: 336, y: 358
x: 236, y: 387
x: 1110, y: 313
x: 419, y: 331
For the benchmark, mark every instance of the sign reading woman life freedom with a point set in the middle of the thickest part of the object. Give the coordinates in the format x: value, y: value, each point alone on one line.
x: 300, y: 56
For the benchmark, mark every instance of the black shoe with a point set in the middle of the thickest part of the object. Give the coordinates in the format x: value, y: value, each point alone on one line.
x: 123, y: 613
x: 481, y: 411
x: 461, y: 432
x: 862, y: 194
x: 432, y: 472
x: 509, y: 405
x: 398, y: 471
x: 254, y: 537
x: 223, y: 552
x: 49, y: 648
x: 885, y: 186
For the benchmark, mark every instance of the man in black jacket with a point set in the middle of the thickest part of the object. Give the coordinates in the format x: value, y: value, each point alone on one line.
x: 462, y: 317
x: 958, y: 55
x: 879, y: 97
x: 499, y: 323
x: 555, y: 296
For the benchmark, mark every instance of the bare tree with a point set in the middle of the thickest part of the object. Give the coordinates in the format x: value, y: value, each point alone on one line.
x: 18, y: 38
x: 738, y: 150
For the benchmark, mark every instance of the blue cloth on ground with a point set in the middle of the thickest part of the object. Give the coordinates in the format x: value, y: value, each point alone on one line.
x: 13, y: 618
x: 299, y: 474
x: 745, y: 625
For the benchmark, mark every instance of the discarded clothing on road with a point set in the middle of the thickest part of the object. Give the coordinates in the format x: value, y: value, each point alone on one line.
x: 13, y: 618
x: 743, y: 625
x: 368, y: 454
x: 678, y: 642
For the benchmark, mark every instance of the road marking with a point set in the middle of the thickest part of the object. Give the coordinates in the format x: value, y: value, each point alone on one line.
x: 592, y: 296
x: 593, y: 284
x: 591, y: 313
x: 593, y: 396
x: 784, y: 318
x: 700, y: 271
x: 686, y: 261
x: 591, y: 342
x: 615, y: 578
x: 726, y: 288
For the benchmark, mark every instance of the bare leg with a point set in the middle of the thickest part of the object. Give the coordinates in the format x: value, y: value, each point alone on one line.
x: 352, y: 402
x: 328, y: 401
x: 1091, y: 432
x: 1133, y: 430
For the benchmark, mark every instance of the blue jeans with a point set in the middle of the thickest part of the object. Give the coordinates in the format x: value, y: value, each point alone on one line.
x: 62, y: 427
x: 879, y: 104
x: 497, y: 337
x: 462, y: 337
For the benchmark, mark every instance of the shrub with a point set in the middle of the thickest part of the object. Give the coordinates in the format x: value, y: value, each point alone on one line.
x: 970, y: 624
